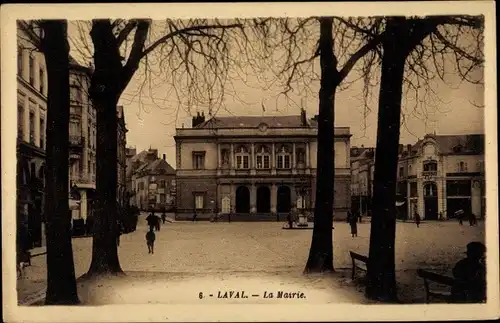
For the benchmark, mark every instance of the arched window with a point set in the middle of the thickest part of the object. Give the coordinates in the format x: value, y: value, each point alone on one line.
x: 242, y: 158
x: 430, y: 190
x: 430, y: 166
x: 263, y: 157
x: 283, y: 158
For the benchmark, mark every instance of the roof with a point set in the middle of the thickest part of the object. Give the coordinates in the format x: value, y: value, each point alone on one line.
x: 455, y: 144
x: 160, y: 165
x: 293, y: 121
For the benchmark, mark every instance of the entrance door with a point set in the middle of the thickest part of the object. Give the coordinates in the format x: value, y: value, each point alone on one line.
x: 430, y: 201
x: 242, y: 200
x: 284, y: 199
x: 263, y: 199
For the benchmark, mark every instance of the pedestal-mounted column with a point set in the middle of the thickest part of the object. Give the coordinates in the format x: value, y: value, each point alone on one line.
x: 476, y: 198
x: 273, y: 159
x: 83, y: 204
x: 253, y: 199
x: 274, y: 196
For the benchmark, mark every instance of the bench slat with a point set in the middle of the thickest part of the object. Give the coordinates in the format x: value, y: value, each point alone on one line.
x: 438, y: 278
x: 357, y: 256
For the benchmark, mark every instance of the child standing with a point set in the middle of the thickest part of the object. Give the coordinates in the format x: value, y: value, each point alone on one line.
x: 150, y: 240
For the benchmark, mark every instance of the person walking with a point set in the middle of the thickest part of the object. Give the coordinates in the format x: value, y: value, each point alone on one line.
x: 157, y: 223
x: 349, y: 215
x: 151, y: 219
x: 417, y: 219
x: 150, y: 240
x: 353, y: 222
x: 472, y: 219
x: 163, y: 216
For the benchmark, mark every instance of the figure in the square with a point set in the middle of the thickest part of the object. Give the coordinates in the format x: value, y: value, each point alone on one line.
x: 470, y: 275
x: 151, y: 219
x: 417, y: 219
x: 150, y: 240
x: 353, y: 222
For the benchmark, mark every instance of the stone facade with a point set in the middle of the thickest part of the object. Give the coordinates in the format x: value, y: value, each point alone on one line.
x: 442, y: 174
x: 255, y: 168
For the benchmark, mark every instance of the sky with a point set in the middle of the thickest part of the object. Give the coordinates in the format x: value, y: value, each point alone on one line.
x: 152, y: 119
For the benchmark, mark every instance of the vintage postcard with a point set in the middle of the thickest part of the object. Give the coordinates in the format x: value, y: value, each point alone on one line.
x: 249, y: 162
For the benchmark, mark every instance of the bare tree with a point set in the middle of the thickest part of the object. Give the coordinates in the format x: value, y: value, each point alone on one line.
x: 409, y: 45
x: 61, y: 283
x: 291, y: 49
x: 197, y: 47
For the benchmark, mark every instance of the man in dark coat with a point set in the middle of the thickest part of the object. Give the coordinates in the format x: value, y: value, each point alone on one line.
x: 470, y: 276
x: 151, y: 219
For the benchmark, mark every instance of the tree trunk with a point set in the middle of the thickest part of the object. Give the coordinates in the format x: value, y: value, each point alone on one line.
x: 105, y: 90
x: 104, y: 247
x: 381, y: 284
x: 61, y: 282
x: 321, y: 252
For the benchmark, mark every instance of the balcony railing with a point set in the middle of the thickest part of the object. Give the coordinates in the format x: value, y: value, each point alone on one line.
x: 76, y: 141
x: 429, y: 173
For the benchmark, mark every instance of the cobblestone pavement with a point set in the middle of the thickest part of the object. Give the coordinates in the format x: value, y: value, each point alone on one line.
x: 264, y: 247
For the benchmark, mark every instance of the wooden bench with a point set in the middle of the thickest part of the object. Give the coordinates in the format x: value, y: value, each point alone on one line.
x: 361, y: 258
x: 439, y: 279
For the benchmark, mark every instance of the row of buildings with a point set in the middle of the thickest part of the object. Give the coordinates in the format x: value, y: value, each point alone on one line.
x: 31, y: 139
x: 437, y: 176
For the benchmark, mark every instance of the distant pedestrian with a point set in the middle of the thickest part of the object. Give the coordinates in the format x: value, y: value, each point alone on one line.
x: 151, y: 219
x: 349, y: 215
x: 472, y: 219
x: 354, y: 226
x: 417, y: 219
x: 460, y: 219
x: 195, y: 215
x: 150, y: 241
x: 441, y: 216
x: 157, y: 223
x: 360, y: 216
x: 163, y: 216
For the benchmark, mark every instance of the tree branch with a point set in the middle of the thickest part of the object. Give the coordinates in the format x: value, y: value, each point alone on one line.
x: 457, y: 49
x: 136, y: 51
x: 372, y: 44
x: 188, y: 29
x: 122, y: 36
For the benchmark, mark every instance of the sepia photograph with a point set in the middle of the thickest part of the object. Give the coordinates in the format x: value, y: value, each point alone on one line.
x: 200, y: 162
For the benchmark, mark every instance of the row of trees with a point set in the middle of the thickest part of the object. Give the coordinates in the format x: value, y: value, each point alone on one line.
x: 202, y: 52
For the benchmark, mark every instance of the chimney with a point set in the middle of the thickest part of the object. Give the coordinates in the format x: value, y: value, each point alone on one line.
x: 303, y: 118
x: 400, y: 150
x: 408, y: 148
x: 164, y: 156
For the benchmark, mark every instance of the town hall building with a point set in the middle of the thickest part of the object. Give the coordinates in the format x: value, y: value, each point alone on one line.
x: 254, y: 168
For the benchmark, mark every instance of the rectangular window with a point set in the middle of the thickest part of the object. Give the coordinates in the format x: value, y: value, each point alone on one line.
x: 32, y: 127
x: 42, y: 133
x: 89, y: 168
x: 239, y: 162
x: 75, y: 94
x: 162, y: 183
x: 20, y: 61
x: 266, y: 161
x: 163, y: 198
x: 458, y: 188
x: 401, y: 171
x: 279, y: 162
x: 245, y: 162
x: 42, y: 81
x: 287, y: 161
x: 32, y: 70
x: 198, y: 201
x: 199, y: 160
x: 259, y: 162
x: 20, y: 120
x: 413, y: 189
